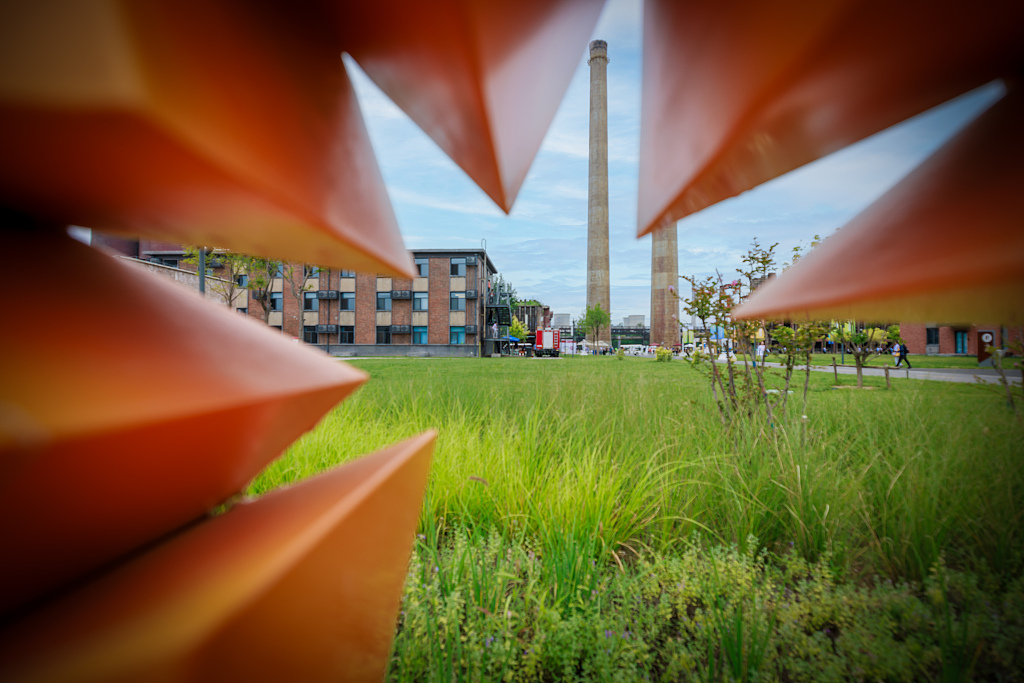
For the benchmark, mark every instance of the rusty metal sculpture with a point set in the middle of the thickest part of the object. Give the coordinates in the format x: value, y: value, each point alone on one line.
x: 737, y: 93
x: 233, y: 124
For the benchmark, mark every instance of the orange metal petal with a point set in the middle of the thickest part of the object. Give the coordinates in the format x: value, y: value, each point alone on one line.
x: 737, y: 93
x: 945, y: 244
x: 483, y: 79
x: 300, y: 585
x: 142, y: 410
x: 229, y: 124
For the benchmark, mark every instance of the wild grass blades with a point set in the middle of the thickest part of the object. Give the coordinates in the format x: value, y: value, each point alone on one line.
x: 559, y: 488
x: 633, y: 452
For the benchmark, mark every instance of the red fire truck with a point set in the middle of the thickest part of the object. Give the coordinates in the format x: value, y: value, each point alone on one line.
x: 547, y: 342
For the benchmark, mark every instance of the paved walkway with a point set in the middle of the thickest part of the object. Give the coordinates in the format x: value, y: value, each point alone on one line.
x: 986, y: 375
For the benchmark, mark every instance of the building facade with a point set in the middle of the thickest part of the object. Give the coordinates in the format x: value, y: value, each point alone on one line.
x: 440, y: 312
x: 935, y: 339
x: 533, y: 314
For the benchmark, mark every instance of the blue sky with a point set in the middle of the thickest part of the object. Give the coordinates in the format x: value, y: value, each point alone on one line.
x: 541, y: 246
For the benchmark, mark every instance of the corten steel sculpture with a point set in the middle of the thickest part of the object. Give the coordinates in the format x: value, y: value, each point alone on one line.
x: 598, y: 277
x: 230, y: 124
x: 735, y: 94
x: 664, y: 274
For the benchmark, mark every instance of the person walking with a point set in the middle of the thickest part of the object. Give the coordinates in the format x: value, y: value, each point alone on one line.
x: 903, y: 356
x: 759, y: 356
x: 897, y: 354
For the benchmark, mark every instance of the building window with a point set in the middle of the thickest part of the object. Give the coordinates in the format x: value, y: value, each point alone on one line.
x: 384, y: 334
x: 170, y: 262
x: 384, y: 302
x: 276, y: 301
x: 242, y: 280
x: 278, y: 328
x: 419, y: 335
x: 419, y: 301
x: 932, y: 334
x: 459, y: 267
x: 243, y: 311
x: 309, y: 334
x: 310, y: 302
x: 457, y: 335
x: 348, y: 273
x: 310, y: 271
x: 346, y: 334
x: 347, y: 302
x: 280, y: 269
x: 458, y: 301
x: 422, y: 267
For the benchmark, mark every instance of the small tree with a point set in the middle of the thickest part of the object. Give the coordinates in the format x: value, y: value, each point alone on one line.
x: 227, y: 284
x: 295, y: 275
x: 518, y: 329
x: 261, y: 280
x: 858, y: 343
x: 594, y: 320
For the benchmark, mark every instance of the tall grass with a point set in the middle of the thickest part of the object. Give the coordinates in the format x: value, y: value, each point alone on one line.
x: 591, y: 459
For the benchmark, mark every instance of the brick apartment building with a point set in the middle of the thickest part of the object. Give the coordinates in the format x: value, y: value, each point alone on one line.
x: 440, y: 312
x: 935, y: 339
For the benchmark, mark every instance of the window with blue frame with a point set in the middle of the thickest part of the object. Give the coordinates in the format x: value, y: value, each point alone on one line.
x: 347, y: 301
x: 422, y: 267
x: 346, y: 334
x: 276, y: 301
x: 419, y: 335
x: 457, y: 335
x: 310, y: 302
x: 457, y: 301
x: 384, y: 301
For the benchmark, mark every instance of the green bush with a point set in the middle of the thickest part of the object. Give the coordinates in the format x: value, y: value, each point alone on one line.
x: 487, y: 607
x: 620, y: 354
x: 662, y: 355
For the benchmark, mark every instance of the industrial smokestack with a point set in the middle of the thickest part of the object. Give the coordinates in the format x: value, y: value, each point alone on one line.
x: 598, y: 288
x: 664, y: 273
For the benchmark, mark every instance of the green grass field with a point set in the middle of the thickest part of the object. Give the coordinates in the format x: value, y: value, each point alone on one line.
x: 591, y: 519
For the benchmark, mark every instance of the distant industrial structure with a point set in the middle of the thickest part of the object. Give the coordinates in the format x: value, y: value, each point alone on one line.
x: 598, y: 281
x: 664, y: 274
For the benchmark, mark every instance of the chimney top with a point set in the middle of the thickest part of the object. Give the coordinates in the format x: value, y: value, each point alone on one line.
x: 598, y: 48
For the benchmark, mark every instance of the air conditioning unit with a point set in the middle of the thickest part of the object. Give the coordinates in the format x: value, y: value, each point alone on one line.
x: 470, y: 329
x: 471, y: 260
x: 401, y: 329
x: 326, y: 329
x: 327, y: 294
x: 401, y: 294
x: 471, y: 294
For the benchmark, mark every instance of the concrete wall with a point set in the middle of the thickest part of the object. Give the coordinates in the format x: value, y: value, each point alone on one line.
x: 188, y: 280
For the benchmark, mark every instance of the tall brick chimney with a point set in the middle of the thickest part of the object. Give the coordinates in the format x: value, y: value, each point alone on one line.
x: 598, y: 287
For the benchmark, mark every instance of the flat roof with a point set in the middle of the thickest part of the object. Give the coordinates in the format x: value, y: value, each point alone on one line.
x: 455, y: 252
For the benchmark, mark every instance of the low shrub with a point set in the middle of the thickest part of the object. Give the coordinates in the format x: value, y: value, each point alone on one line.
x: 662, y: 355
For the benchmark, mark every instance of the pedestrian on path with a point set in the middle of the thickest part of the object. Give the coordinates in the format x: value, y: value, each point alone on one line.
x: 903, y: 356
x: 759, y: 356
x: 897, y: 353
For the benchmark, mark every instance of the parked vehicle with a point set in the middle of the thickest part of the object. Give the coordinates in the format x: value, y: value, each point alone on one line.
x: 547, y: 342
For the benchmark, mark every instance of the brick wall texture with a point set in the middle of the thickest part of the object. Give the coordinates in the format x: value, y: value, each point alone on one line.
x: 437, y: 307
